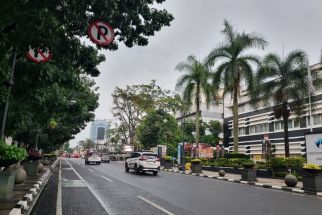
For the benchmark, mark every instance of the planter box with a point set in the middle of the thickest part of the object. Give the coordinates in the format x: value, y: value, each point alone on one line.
x: 196, y: 167
x: 312, y: 183
x: 248, y: 175
x: 7, y: 182
x: 31, y: 168
x: 168, y: 164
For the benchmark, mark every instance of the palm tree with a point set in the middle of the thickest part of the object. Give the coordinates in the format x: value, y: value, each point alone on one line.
x: 235, y: 66
x: 283, y: 84
x: 194, y: 84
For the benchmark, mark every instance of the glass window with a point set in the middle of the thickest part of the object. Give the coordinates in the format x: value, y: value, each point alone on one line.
x: 317, y: 119
x: 290, y: 124
x: 296, y: 123
x: 277, y: 125
x: 252, y: 129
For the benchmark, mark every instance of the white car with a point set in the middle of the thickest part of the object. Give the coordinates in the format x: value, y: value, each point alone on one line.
x: 93, y: 157
x: 143, y: 162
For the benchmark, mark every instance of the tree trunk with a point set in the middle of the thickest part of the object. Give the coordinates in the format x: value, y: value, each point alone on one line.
x: 235, y: 119
x: 286, y: 141
x: 197, y: 119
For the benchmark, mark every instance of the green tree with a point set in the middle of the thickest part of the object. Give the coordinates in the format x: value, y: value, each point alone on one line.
x: 87, y: 144
x: 133, y: 102
x: 234, y: 66
x: 214, y: 127
x: 283, y: 84
x: 158, y: 127
x: 194, y: 85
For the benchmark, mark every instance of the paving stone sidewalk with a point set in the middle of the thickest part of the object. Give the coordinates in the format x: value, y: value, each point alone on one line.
x: 270, y: 183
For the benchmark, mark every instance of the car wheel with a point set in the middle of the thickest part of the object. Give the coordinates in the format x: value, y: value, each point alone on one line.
x: 155, y: 173
x: 126, y: 168
x: 99, y: 163
x: 108, y: 161
x: 86, y: 163
x: 136, y: 169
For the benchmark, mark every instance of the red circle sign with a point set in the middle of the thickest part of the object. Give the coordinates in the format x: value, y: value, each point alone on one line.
x: 39, y: 55
x: 100, y: 33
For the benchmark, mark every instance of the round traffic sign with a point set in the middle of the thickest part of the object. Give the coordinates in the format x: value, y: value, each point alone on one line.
x: 39, y: 55
x: 100, y: 32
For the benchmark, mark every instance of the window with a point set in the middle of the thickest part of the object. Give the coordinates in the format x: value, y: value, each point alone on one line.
x: 296, y: 123
x: 290, y: 124
x: 259, y: 128
x: 317, y: 119
x: 242, y: 131
x: 278, y: 126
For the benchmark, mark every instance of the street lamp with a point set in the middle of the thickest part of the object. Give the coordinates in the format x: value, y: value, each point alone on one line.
x: 9, y: 84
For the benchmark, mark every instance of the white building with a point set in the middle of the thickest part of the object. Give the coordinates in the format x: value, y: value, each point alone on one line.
x: 98, y: 130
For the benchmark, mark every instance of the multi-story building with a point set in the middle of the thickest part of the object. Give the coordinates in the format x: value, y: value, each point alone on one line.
x: 255, y: 123
x: 98, y: 130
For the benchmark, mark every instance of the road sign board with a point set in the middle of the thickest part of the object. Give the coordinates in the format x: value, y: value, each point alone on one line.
x: 39, y: 55
x: 100, y: 32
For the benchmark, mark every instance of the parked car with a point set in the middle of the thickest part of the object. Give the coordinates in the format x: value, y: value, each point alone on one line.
x: 105, y: 158
x: 74, y: 156
x: 143, y: 162
x: 93, y: 157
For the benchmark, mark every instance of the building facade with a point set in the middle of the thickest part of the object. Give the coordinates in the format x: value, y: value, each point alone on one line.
x: 255, y: 123
x: 98, y: 130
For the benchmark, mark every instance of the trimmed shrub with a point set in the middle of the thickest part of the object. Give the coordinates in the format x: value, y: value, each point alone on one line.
x: 236, y: 155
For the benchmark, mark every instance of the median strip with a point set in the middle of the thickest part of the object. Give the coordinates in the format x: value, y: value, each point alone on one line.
x: 155, y: 205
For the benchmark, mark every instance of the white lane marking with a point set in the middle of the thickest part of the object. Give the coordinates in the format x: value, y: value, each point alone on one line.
x: 106, y: 179
x: 91, y: 170
x: 59, y: 210
x: 155, y: 205
x: 108, y: 211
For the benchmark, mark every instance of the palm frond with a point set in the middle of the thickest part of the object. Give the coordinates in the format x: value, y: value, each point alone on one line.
x: 220, y: 53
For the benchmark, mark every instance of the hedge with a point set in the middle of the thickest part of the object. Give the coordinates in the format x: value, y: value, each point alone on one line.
x: 236, y: 155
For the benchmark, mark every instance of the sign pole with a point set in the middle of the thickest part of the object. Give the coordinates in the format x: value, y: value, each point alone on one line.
x: 5, y: 111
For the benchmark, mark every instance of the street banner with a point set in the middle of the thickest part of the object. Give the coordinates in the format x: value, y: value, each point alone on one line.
x: 314, y: 148
x: 100, y: 32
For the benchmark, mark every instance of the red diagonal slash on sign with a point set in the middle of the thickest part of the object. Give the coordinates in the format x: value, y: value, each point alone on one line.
x: 41, y: 53
x: 101, y: 32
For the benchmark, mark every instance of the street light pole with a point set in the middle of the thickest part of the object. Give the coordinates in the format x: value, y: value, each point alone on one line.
x: 310, y: 85
x: 5, y: 111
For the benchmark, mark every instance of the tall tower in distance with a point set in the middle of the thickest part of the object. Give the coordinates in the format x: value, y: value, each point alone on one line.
x: 98, y: 130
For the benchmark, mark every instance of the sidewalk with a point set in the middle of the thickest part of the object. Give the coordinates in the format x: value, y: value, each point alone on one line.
x: 269, y: 183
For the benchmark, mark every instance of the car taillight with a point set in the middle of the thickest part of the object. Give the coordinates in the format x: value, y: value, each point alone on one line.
x: 158, y: 159
x: 143, y: 158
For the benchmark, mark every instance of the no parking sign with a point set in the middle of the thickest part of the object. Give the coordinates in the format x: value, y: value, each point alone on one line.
x: 100, y: 32
x: 39, y: 55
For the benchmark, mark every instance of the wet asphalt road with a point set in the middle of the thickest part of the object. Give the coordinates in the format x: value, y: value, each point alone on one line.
x: 117, y: 192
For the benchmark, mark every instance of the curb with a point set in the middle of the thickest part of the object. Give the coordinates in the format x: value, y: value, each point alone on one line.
x: 274, y: 187
x: 27, y: 203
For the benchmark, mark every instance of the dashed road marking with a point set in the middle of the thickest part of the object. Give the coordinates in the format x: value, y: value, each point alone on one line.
x: 93, y: 192
x: 59, y: 210
x: 106, y: 179
x: 91, y: 170
x: 156, y: 206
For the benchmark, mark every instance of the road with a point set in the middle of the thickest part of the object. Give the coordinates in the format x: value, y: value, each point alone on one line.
x: 112, y: 191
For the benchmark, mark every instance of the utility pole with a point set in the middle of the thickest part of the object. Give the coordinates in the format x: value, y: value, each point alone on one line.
x: 10, y: 84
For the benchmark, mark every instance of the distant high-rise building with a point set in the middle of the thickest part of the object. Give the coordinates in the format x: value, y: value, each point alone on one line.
x: 98, y: 130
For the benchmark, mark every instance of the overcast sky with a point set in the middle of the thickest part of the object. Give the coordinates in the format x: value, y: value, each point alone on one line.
x: 196, y: 30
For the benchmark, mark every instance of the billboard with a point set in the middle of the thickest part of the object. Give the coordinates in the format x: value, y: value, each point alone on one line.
x: 314, y: 148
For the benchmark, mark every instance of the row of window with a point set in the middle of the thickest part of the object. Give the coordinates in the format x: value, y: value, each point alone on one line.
x: 279, y: 125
